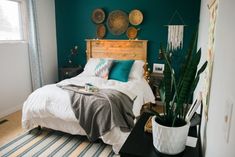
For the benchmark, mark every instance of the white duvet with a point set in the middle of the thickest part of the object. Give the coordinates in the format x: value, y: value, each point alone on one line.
x: 50, y: 107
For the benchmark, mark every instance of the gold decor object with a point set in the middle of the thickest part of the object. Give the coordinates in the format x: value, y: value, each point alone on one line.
x: 131, y: 32
x: 135, y: 17
x: 148, y: 125
x: 146, y: 72
x: 117, y: 22
x: 98, y: 16
x: 100, y: 31
x: 148, y: 75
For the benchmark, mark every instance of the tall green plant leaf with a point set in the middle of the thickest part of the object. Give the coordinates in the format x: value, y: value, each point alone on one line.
x: 167, y: 84
x: 176, y: 94
x: 190, y: 52
x: 194, y: 85
x: 203, y: 67
x: 185, y: 83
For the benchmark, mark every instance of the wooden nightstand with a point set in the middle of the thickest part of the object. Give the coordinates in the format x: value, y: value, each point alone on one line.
x: 154, y: 82
x: 68, y: 72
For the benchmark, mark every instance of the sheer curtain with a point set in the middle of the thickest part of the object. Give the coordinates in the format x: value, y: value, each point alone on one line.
x: 35, y: 59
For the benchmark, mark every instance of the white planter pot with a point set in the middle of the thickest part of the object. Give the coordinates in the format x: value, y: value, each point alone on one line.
x: 169, y: 140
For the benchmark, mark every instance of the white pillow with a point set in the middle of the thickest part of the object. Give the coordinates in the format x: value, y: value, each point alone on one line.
x: 137, y: 70
x: 90, y: 66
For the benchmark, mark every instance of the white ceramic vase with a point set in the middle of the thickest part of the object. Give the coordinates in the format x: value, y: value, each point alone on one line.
x: 169, y: 140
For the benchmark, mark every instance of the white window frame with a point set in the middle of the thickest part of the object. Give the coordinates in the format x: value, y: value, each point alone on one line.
x: 23, y: 23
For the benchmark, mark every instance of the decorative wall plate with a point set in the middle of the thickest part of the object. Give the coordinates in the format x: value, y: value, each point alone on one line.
x: 135, y: 17
x: 100, y: 31
x: 117, y: 22
x: 98, y: 16
x: 131, y: 32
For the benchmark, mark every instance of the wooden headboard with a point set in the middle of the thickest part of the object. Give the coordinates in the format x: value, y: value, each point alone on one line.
x: 117, y: 49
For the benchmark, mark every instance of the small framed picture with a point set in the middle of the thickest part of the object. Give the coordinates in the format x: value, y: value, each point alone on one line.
x: 158, y: 68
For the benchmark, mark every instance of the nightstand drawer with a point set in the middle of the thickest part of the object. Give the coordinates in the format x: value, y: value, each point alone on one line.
x: 69, y: 72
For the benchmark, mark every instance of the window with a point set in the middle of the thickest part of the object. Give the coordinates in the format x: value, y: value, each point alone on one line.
x: 11, y: 20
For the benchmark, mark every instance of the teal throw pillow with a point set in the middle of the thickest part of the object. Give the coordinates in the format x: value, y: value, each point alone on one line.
x: 120, y: 70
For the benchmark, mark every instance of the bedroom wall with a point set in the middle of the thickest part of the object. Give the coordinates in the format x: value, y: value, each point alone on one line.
x: 15, y: 80
x: 74, y: 25
x: 203, y: 43
x: 213, y: 131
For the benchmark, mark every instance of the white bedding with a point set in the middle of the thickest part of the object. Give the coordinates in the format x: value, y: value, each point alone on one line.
x: 50, y: 106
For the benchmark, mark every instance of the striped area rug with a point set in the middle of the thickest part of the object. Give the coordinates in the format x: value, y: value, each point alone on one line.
x: 47, y: 142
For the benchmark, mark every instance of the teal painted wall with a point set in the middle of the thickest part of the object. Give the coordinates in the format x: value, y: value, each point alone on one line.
x: 74, y: 25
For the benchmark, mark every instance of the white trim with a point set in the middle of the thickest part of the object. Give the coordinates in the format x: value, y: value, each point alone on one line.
x: 10, y: 110
x: 24, y: 20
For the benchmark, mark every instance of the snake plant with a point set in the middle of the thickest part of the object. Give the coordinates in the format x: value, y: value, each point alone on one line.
x: 176, y: 94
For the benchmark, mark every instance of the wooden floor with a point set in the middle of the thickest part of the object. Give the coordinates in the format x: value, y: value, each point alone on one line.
x: 11, y: 128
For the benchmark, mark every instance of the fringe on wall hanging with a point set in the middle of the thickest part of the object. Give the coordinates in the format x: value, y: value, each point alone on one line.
x: 175, y: 34
x: 175, y: 37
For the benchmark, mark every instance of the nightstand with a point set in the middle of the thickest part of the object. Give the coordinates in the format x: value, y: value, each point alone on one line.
x: 140, y: 143
x: 68, y: 72
x: 154, y: 82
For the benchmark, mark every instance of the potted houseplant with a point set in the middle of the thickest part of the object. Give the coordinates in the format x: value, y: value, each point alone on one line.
x: 170, y: 129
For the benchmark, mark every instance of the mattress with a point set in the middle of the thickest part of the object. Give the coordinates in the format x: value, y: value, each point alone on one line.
x: 50, y: 106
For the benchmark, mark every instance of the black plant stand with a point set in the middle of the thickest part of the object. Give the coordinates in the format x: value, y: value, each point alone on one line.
x: 140, y: 143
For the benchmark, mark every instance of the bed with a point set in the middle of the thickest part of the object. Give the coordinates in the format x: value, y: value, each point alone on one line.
x: 50, y: 106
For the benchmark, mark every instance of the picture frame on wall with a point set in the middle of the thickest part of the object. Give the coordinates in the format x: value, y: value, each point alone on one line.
x: 158, y: 68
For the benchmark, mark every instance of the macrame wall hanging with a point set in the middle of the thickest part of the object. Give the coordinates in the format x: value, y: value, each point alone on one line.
x: 175, y: 34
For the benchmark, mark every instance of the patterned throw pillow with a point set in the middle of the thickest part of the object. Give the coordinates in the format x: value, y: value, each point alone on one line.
x: 103, y: 67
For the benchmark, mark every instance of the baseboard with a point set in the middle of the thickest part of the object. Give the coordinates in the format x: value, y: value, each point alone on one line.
x: 10, y: 110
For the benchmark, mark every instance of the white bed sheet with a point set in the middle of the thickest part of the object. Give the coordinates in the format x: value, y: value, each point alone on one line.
x: 50, y: 106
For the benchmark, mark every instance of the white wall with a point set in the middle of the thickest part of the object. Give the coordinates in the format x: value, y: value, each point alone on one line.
x: 15, y: 80
x: 47, y: 37
x: 223, y: 86
x: 203, y: 44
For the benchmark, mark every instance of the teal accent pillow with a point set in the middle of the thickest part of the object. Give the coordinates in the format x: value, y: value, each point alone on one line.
x: 120, y: 70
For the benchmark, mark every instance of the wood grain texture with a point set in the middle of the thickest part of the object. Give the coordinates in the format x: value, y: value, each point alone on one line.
x: 11, y: 128
x: 117, y: 49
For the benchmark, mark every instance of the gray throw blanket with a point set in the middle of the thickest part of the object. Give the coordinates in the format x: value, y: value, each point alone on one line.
x: 100, y: 111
